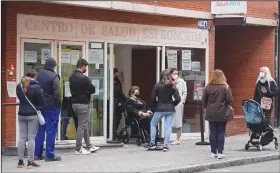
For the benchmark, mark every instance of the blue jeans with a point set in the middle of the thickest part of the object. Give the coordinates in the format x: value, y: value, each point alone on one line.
x: 167, y: 126
x: 217, y: 136
x: 52, y: 119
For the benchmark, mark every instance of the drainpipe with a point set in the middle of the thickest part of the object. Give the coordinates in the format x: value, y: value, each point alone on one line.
x: 277, y: 64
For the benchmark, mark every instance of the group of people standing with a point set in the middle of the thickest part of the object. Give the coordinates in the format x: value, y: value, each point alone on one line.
x: 42, y: 92
x: 168, y: 99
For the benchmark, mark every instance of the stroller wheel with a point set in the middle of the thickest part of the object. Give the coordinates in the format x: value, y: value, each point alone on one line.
x: 260, y: 147
x: 276, y: 146
x: 247, y: 147
x: 124, y: 136
x: 138, y: 142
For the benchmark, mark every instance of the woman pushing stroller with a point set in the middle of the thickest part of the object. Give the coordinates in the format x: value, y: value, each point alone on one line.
x: 265, y: 91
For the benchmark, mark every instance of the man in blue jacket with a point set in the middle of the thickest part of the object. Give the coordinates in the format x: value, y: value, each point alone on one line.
x: 50, y: 82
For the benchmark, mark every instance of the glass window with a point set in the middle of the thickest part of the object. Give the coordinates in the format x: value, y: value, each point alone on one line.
x: 96, y: 74
x: 34, y: 54
x: 70, y: 54
x: 191, y: 65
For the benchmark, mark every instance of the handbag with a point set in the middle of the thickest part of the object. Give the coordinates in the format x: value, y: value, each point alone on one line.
x: 39, y: 114
x: 229, y: 110
x: 266, y: 103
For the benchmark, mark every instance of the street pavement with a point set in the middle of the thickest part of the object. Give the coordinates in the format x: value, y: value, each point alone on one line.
x: 269, y: 166
x: 132, y: 158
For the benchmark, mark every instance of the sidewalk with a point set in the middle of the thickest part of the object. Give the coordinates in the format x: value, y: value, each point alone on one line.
x: 131, y: 158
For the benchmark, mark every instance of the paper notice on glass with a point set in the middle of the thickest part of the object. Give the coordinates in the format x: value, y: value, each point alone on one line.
x: 195, y: 66
x: 186, y: 54
x: 65, y: 57
x: 67, y: 89
x: 75, y: 56
x: 11, y: 88
x: 95, y: 83
x: 30, y: 56
x: 45, y: 54
x: 172, y: 58
x: 95, y: 56
x: 186, y: 64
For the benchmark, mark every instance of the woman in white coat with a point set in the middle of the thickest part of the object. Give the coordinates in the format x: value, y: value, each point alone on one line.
x: 179, y: 109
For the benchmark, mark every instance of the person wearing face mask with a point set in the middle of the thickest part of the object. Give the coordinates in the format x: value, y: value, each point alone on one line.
x: 119, y: 101
x: 138, y: 108
x: 179, y: 109
x: 49, y: 81
x: 81, y: 89
x: 163, y: 105
x: 266, y: 89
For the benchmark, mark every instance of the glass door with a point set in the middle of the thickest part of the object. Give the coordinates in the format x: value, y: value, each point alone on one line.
x: 69, y: 53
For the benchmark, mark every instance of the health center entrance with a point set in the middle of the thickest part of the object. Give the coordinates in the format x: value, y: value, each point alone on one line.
x: 138, y: 65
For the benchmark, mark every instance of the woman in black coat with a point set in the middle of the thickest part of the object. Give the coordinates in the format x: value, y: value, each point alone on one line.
x: 266, y: 88
x: 136, y: 107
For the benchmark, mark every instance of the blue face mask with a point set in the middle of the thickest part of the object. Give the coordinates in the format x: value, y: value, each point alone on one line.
x: 262, y: 80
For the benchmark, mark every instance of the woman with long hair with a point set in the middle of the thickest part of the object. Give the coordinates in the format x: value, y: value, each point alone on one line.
x: 179, y: 109
x: 216, y: 98
x: 163, y: 106
x: 266, y: 87
x: 28, y: 119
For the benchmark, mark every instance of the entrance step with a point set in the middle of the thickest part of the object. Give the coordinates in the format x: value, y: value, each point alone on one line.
x: 61, y: 148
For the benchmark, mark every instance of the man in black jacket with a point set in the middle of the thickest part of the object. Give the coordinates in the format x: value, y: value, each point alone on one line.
x: 81, y: 89
x: 119, y: 101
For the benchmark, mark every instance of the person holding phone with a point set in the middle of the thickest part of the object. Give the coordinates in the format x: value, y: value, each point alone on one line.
x: 265, y: 91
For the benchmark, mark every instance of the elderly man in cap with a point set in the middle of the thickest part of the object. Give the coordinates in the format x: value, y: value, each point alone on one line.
x: 50, y: 83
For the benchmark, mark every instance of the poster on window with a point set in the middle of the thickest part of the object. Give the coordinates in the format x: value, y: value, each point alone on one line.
x: 95, y: 56
x: 45, y: 54
x: 198, y: 90
x: 75, y: 56
x: 30, y: 56
x: 95, y: 83
x: 171, y: 58
x: 67, y: 89
x: 66, y: 56
x: 186, y: 55
x: 195, y: 66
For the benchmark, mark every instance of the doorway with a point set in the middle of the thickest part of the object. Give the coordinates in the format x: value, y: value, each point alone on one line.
x: 137, y: 66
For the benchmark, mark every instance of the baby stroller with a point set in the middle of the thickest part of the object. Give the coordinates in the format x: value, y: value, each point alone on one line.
x: 134, y: 129
x: 261, y: 133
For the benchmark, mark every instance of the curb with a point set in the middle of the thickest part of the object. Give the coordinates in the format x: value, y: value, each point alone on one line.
x: 219, y: 164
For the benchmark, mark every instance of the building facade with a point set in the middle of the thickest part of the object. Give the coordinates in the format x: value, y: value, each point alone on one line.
x: 141, y: 39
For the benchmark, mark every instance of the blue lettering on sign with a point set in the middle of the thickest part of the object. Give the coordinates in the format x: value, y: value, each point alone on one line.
x: 228, y: 3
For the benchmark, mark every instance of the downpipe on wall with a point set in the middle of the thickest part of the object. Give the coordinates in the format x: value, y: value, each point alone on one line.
x: 276, y: 68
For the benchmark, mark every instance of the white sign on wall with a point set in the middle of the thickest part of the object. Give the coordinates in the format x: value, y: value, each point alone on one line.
x: 88, y: 29
x: 228, y: 7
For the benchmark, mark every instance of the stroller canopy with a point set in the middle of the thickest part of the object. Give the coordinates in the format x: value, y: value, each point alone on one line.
x: 252, y: 111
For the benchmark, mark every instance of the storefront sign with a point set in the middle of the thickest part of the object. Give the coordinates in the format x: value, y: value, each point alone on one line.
x: 76, y: 28
x: 228, y: 7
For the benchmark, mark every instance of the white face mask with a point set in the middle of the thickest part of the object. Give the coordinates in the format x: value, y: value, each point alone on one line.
x: 262, y: 74
x: 175, y: 76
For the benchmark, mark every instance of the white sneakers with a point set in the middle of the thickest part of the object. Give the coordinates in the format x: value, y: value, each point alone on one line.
x: 175, y: 142
x: 86, y: 152
x: 219, y: 156
x: 93, y: 149
x: 82, y: 152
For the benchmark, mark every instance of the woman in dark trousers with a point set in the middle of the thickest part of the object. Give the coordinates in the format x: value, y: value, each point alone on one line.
x: 216, y: 100
x: 28, y: 119
x: 265, y: 87
x: 136, y: 107
x: 163, y: 106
